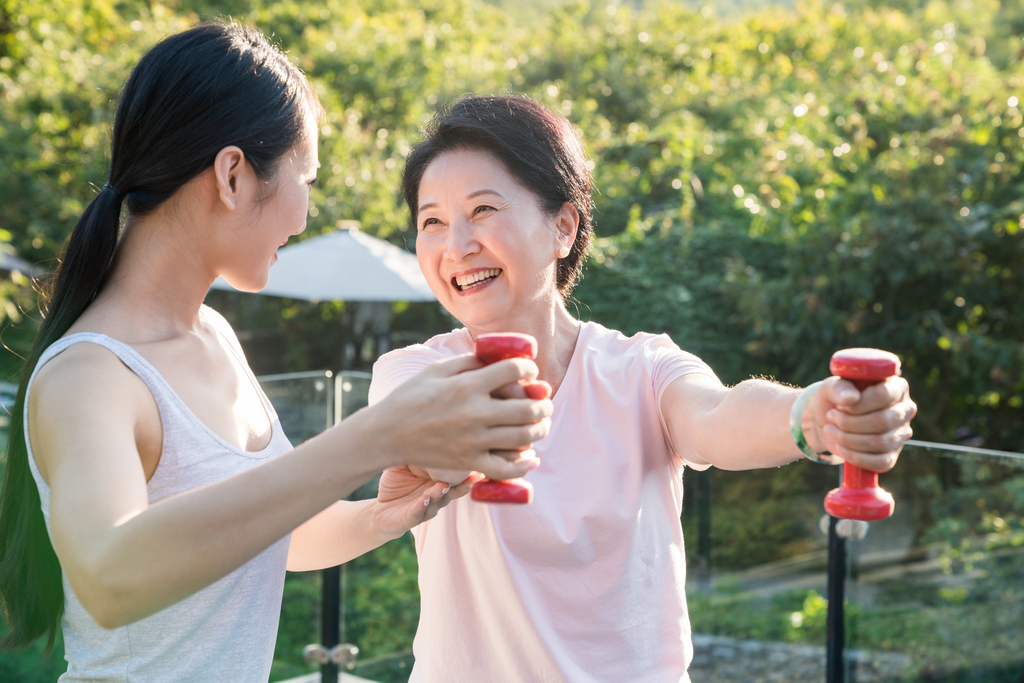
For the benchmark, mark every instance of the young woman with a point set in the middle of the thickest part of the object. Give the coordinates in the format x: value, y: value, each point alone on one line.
x: 587, y: 583
x: 141, y: 444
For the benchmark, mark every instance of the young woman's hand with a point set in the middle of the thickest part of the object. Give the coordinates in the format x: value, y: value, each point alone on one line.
x: 454, y: 416
x: 407, y: 496
x: 865, y: 428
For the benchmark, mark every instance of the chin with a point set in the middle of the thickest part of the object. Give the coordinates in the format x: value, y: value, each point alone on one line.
x: 250, y: 285
x: 479, y: 321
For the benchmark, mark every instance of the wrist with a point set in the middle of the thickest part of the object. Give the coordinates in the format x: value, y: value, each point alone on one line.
x: 369, y: 430
x: 379, y: 536
x: 801, y: 423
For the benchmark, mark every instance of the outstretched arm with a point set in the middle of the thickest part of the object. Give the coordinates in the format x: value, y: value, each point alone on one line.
x: 127, y: 559
x: 747, y: 426
x: 407, y: 496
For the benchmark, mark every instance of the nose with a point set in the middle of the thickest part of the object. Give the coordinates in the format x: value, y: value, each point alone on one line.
x: 461, y: 241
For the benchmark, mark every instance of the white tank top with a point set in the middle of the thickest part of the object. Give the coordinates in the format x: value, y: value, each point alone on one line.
x: 226, y: 631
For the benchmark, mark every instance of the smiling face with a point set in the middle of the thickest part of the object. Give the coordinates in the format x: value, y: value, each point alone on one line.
x: 484, y: 244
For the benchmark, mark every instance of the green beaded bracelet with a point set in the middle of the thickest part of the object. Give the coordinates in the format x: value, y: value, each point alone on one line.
x: 796, y: 430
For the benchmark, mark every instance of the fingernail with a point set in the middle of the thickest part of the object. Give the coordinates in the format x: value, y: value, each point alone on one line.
x: 446, y: 490
x: 846, y: 393
x: 426, y: 503
x: 534, y: 464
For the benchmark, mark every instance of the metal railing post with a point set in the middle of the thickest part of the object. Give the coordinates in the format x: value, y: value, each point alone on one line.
x: 330, y: 619
x: 834, y: 631
x: 330, y: 591
x: 703, y: 491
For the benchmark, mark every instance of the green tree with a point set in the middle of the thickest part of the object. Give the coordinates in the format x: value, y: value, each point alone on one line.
x: 772, y: 185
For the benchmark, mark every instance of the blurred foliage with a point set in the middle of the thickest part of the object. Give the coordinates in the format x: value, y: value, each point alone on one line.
x: 842, y: 179
x: 381, y: 610
x: 944, y: 643
x: 792, y: 616
x: 756, y: 519
x: 773, y: 184
x: 33, y: 665
x: 979, y: 527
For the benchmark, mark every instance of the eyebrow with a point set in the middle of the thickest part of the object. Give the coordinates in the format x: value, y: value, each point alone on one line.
x: 471, y: 195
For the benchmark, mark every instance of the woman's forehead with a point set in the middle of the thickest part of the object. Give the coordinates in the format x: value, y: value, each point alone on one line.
x: 466, y: 171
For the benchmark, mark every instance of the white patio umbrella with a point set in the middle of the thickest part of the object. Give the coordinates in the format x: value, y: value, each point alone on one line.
x: 9, y: 261
x: 344, y: 265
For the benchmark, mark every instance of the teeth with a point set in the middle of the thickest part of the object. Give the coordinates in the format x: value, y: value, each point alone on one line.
x: 475, y: 279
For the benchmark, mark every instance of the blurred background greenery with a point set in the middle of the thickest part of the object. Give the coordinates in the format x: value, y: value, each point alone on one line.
x: 774, y: 181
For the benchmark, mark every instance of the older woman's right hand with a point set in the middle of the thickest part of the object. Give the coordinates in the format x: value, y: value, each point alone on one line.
x: 455, y: 417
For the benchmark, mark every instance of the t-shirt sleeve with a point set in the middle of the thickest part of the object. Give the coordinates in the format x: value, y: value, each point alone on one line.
x: 667, y: 363
x: 395, y: 368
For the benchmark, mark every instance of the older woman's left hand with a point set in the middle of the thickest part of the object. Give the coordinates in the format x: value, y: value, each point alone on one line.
x: 865, y: 428
x: 407, y: 496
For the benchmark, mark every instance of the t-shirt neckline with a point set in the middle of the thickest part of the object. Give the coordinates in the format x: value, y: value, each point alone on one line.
x: 570, y: 371
x: 556, y: 400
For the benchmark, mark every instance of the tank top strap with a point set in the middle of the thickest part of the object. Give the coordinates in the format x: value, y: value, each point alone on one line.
x: 173, y: 409
x: 235, y: 349
x: 158, y: 387
x: 126, y: 354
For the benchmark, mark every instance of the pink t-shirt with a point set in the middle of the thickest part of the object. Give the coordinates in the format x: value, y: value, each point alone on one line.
x: 587, y: 583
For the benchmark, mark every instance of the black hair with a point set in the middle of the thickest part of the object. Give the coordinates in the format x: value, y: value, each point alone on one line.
x: 190, y: 96
x: 538, y: 148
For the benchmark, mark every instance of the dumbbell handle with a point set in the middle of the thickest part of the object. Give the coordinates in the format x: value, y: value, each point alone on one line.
x: 859, y: 496
x: 491, y: 348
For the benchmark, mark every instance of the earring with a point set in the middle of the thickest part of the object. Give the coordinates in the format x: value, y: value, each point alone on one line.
x: 563, y: 252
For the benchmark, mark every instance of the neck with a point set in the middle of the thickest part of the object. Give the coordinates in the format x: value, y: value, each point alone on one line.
x: 555, y: 331
x: 156, y: 286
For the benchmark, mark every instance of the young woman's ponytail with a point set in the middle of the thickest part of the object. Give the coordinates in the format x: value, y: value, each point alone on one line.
x: 189, y: 97
x: 30, y: 576
x: 87, y: 257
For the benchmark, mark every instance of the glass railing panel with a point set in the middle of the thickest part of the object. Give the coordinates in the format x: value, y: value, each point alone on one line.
x: 939, y: 586
x: 304, y: 402
x: 935, y: 593
x: 757, y: 559
x: 352, y: 390
x: 379, y: 595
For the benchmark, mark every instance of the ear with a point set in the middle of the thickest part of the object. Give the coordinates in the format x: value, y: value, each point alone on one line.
x: 567, y: 221
x: 228, y: 169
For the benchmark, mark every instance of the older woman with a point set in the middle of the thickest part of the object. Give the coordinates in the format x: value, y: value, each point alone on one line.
x: 587, y: 583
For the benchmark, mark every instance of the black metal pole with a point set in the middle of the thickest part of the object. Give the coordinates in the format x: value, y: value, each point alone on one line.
x: 834, y: 632
x: 704, y: 527
x: 330, y: 618
x: 342, y: 636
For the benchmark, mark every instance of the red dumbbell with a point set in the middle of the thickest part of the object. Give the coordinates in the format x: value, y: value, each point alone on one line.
x: 490, y: 348
x: 859, y: 496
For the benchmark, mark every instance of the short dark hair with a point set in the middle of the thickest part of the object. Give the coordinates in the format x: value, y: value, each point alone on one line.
x: 538, y: 148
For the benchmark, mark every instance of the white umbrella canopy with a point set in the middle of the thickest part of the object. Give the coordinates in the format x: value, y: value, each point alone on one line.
x: 344, y: 265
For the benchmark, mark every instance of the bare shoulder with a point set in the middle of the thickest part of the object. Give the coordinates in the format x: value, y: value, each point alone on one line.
x: 81, y: 381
